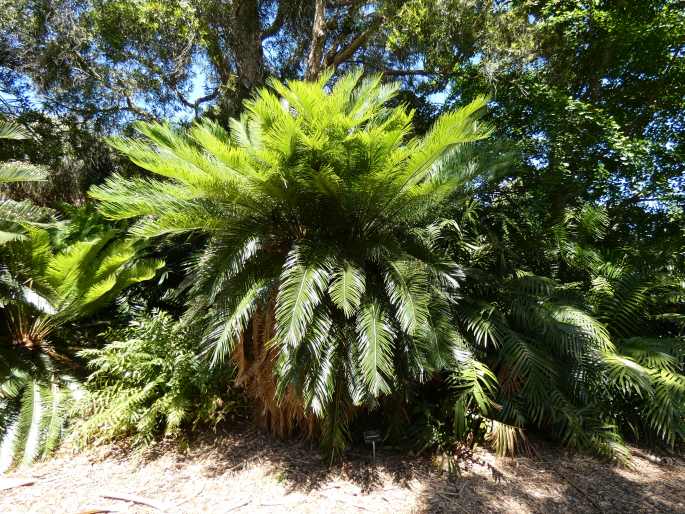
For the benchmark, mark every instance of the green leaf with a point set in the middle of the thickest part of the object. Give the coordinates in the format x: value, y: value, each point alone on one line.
x: 16, y: 171
x: 11, y: 130
x: 300, y: 291
x: 406, y: 286
x: 375, y: 337
x: 347, y: 288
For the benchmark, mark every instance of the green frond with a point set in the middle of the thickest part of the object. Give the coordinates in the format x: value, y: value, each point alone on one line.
x: 481, y: 322
x: 450, y: 130
x: 375, y: 337
x: 588, y: 326
x: 9, y: 234
x: 653, y: 352
x: 228, y: 324
x: 319, y: 385
x: 406, y: 286
x: 17, y: 171
x: 347, y: 288
x: 627, y: 374
x: 147, y: 382
x: 38, y: 426
x: 665, y: 412
x: 15, y: 216
x: 12, y: 130
x: 473, y: 381
x: 505, y: 439
x: 301, y: 289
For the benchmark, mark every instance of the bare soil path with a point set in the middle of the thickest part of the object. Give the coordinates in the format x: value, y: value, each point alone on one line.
x: 247, y: 472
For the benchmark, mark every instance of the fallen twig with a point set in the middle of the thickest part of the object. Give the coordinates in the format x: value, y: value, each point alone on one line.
x: 98, y: 510
x: 140, y: 500
x: 245, y: 504
x: 11, y: 483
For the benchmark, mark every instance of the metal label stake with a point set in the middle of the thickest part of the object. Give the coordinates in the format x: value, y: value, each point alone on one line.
x: 373, y: 436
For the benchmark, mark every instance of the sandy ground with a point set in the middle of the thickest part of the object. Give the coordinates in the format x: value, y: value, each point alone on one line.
x: 247, y: 472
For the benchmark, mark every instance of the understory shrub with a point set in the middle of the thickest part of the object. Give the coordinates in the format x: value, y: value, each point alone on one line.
x: 150, y: 382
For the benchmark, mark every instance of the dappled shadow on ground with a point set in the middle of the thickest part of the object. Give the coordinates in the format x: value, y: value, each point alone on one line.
x: 247, y: 471
x: 554, y: 481
x: 549, y: 481
x: 299, y: 463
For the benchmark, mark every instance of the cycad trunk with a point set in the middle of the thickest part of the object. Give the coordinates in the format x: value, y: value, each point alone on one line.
x: 256, y: 375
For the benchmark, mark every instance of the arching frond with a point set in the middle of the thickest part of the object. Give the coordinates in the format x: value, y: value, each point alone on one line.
x: 347, y: 288
x: 375, y: 335
x: 16, y: 171
x: 12, y: 130
x: 300, y: 291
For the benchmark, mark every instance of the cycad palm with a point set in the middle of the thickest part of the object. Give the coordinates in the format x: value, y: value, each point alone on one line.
x: 13, y: 214
x: 46, y: 290
x: 566, y: 354
x: 323, y: 255
x: 643, y: 311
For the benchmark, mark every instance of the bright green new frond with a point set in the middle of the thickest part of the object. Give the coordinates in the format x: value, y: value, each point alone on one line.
x: 450, y: 130
x: 150, y: 197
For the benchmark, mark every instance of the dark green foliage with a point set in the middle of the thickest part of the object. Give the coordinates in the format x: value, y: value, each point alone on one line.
x: 591, y: 360
x: 15, y: 215
x: 148, y: 381
x: 35, y: 399
x: 319, y: 207
x: 48, y: 287
x: 350, y: 283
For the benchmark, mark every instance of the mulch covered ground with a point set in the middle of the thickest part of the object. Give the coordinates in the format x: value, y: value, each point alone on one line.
x: 246, y: 472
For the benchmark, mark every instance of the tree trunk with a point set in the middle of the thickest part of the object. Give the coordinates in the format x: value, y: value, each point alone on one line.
x: 255, y: 363
x: 244, y: 40
x: 315, y: 58
x: 234, y: 47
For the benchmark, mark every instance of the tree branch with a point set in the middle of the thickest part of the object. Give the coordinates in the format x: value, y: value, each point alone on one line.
x: 273, y: 29
x: 195, y: 105
x: 415, y: 72
x: 341, y: 56
x: 137, y: 110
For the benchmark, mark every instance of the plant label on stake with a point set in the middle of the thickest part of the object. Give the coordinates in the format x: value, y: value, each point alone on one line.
x: 373, y: 437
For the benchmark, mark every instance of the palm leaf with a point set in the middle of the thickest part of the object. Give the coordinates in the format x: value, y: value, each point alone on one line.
x: 375, y: 335
x: 300, y: 291
x: 347, y: 288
